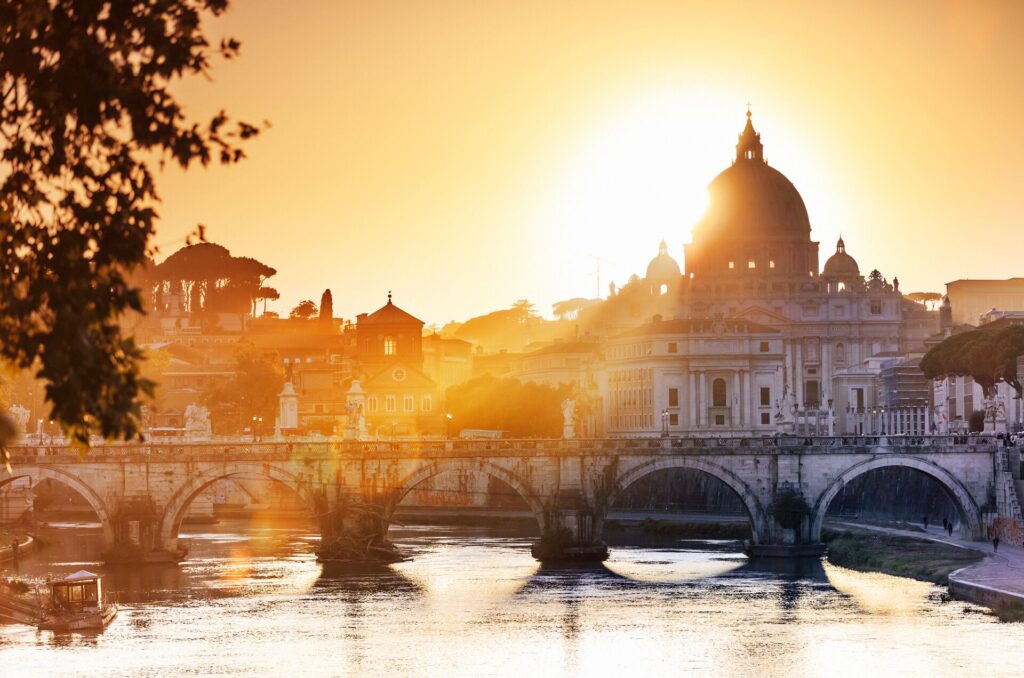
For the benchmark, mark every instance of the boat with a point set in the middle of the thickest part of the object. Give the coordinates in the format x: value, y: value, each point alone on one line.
x: 76, y: 604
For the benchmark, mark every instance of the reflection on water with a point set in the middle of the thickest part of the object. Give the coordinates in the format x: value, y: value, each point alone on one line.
x: 251, y: 598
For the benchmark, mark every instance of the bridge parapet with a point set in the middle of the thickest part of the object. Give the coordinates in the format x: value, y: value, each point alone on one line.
x: 608, y: 447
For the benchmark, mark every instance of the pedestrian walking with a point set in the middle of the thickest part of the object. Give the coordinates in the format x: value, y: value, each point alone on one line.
x: 944, y: 523
x: 949, y: 528
x: 995, y: 544
x: 924, y: 520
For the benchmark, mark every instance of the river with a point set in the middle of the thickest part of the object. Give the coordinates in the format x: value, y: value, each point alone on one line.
x: 471, y: 601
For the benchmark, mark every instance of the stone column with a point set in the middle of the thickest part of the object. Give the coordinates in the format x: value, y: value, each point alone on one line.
x: 703, y: 414
x: 691, y: 400
x: 737, y: 404
x: 798, y: 377
x: 748, y: 419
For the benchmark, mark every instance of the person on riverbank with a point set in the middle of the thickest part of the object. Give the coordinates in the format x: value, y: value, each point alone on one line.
x: 995, y: 544
x: 949, y: 528
x: 14, y: 550
x: 945, y: 523
x: 924, y: 519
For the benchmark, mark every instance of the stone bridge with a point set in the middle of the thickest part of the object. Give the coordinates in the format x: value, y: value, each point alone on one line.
x: 141, y: 492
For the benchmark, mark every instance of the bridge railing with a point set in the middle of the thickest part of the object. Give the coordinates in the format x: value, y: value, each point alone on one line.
x: 274, y: 450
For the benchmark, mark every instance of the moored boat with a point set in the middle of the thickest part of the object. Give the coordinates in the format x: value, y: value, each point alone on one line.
x: 76, y: 603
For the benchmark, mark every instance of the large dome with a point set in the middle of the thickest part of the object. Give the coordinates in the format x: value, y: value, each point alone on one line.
x: 752, y: 201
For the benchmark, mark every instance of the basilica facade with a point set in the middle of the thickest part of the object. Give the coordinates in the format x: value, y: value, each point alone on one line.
x: 750, y: 331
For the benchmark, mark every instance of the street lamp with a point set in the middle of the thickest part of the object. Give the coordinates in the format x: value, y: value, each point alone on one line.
x: 448, y: 425
x: 39, y: 430
x: 664, y: 423
x: 259, y: 425
x: 254, y: 429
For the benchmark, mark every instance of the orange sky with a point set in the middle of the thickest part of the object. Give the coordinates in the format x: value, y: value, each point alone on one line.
x: 467, y: 154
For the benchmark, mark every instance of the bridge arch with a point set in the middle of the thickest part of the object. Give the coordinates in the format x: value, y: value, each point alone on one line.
x: 177, y: 506
x: 427, y: 471
x: 759, y: 523
x: 39, y: 473
x: 970, y: 513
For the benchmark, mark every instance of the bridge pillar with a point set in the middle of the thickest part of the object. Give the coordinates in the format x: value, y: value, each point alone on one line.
x: 354, y: 529
x: 789, y: 531
x: 569, y: 531
x: 135, y: 536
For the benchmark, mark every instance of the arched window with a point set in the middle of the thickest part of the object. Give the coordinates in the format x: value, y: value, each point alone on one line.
x: 390, y: 345
x: 663, y: 289
x: 718, y: 393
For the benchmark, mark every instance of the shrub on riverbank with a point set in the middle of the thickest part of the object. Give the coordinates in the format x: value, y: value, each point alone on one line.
x: 901, y: 556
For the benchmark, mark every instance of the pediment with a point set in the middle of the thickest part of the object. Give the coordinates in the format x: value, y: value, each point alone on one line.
x: 763, y: 316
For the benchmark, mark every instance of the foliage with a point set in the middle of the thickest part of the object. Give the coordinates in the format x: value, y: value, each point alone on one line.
x: 976, y: 422
x: 252, y: 392
x: 923, y: 297
x: 987, y: 355
x: 570, y: 308
x: 523, y: 410
x: 87, y: 104
x: 790, y: 508
x: 208, y: 278
x: 305, y: 309
x: 326, y: 306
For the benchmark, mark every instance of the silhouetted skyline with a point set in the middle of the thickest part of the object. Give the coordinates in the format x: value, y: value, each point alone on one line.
x: 468, y: 156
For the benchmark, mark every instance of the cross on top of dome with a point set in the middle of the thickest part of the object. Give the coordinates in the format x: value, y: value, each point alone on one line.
x: 749, y: 146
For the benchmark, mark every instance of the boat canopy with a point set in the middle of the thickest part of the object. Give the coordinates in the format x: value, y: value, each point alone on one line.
x: 79, y: 577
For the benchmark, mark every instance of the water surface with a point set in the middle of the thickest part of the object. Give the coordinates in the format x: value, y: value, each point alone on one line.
x: 252, y: 599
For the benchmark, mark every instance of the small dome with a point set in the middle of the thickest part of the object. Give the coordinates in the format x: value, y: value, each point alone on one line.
x: 663, y: 268
x: 841, y: 264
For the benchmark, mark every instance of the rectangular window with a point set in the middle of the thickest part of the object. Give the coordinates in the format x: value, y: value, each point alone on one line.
x: 771, y: 263
x: 390, y: 403
x: 766, y: 419
x: 673, y: 420
x: 719, y: 420
x: 732, y: 264
x: 764, y: 347
x: 673, y: 347
x: 409, y: 403
x: 876, y: 308
x: 812, y: 397
x: 858, y: 396
x: 751, y: 264
x: 766, y: 396
x: 673, y: 397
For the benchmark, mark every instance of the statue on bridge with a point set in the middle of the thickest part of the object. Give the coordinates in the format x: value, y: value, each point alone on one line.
x: 197, y: 422
x: 568, y: 418
x: 20, y: 414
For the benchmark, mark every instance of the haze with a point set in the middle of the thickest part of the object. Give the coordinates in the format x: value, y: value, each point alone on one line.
x: 466, y: 155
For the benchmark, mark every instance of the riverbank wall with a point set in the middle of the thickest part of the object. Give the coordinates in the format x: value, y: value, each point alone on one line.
x: 962, y: 588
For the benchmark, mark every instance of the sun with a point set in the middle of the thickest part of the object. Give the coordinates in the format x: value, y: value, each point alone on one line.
x: 640, y: 174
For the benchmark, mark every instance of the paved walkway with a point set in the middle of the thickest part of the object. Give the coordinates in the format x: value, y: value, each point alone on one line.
x: 1002, y: 570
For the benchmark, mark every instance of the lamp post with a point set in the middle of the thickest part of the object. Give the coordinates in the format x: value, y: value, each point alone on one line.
x: 39, y: 430
x: 254, y: 429
x: 259, y: 428
x: 448, y: 425
x: 664, y: 423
